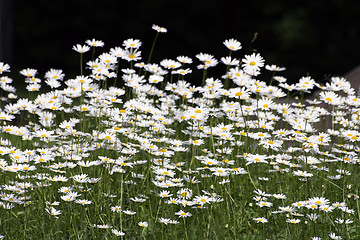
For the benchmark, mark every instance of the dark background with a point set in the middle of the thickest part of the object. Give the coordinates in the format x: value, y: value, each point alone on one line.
x: 316, y: 38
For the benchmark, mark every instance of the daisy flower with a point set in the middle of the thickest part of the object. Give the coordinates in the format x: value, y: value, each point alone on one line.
x: 170, y: 64
x: 128, y: 212
x: 229, y: 61
x: 319, y: 200
x: 164, y: 220
x: 81, y: 49
x: 264, y: 204
x: 53, y: 212
x: 159, y: 29
x: 183, y: 214
x: 117, y: 232
x: 232, y: 44
x: 203, y: 199
x: 312, y: 216
x: 280, y: 79
x: 274, y: 68
x: 143, y: 224
x: 334, y: 236
x: 132, y: 55
x: 165, y: 193
x: 132, y: 43
x: 265, y: 103
x: 256, y: 158
x: 330, y: 98
x: 94, y: 43
x: 260, y: 220
x: 29, y: 72
x: 185, y: 193
x: 326, y: 208
x: 115, y: 209
x: 293, y: 220
x: 252, y: 62
x: 56, y: 74
x: 4, y: 67
x: 184, y: 59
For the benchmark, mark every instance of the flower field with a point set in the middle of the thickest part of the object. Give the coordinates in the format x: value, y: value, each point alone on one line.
x: 130, y: 149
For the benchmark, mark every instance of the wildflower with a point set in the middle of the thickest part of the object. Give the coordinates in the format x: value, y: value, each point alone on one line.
x: 155, y: 78
x: 29, y: 72
x: 239, y: 93
x: 173, y: 222
x: 256, y: 158
x: 68, y: 198
x: 302, y: 173
x: 260, y: 220
x: 83, y: 201
x: 33, y: 87
x: 334, y: 236
x: 264, y: 204
x: 164, y: 220
x: 229, y: 61
x: 164, y: 194
x: 232, y: 44
x: 202, y: 200
x: 265, y: 103
x: 165, y: 172
x: 182, y: 72
x: 82, y: 178
x: 279, y: 196
x: 319, y: 200
x: 170, y: 64
x: 347, y: 210
x: 184, y: 59
x: 4, y: 67
x: 261, y: 193
x: 64, y: 189
x: 117, y: 232
x: 287, y: 209
x: 94, y: 43
x: 53, y: 212
x: 131, y: 55
x: 312, y: 216
x: 6, y: 116
x: 293, y: 220
x: 326, y: 208
x: 183, y: 214
x: 252, y: 62
x: 207, y: 59
x: 128, y: 212
x: 305, y: 83
x: 159, y: 29
x: 185, y: 202
x: 143, y: 224
x: 274, y: 68
x: 43, y: 133
x: 81, y: 49
x: 339, y: 220
x: 132, y: 43
x: 138, y: 200
x: 330, y: 98
x: 185, y: 193
x: 115, y: 209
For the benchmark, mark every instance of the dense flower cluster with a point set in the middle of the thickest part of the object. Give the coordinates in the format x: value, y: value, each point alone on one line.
x: 143, y: 138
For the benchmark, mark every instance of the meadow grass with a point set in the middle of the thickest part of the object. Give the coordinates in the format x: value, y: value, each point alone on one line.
x: 132, y: 150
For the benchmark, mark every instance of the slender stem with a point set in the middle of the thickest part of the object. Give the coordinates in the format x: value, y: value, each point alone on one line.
x: 152, y: 47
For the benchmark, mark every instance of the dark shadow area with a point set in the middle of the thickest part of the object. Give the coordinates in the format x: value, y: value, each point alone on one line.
x: 317, y: 38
